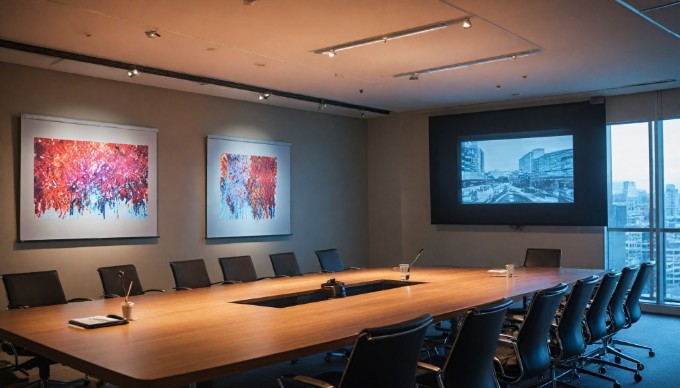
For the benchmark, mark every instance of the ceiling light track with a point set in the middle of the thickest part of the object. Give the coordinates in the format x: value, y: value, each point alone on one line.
x: 331, y: 51
x: 416, y: 73
x: 181, y: 76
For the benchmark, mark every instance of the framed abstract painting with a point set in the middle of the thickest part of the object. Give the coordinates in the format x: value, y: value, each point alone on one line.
x: 247, y: 188
x: 86, y: 180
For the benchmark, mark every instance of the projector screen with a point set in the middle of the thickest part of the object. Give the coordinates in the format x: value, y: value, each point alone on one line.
x: 544, y: 165
x: 524, y: 169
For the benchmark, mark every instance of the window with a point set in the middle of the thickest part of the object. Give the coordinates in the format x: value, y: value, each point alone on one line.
x: 644, y: 203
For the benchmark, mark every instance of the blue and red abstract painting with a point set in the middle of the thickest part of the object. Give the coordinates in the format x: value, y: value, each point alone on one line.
x: 74, y: 179
x: 247, y: 187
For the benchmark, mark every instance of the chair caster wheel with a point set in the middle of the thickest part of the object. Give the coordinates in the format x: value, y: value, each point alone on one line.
x: 640, y: 366
x: 602, y: 370
x: 617, y: 359
x: 651, y: 354
x: 638, y: 377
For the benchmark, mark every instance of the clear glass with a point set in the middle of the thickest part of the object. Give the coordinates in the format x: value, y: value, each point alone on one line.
x: 631, y: 248
x: 671, y: 259
x: 629, y: 204
x: 671, y: 173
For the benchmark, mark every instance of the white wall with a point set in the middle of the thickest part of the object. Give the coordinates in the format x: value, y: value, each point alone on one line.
x: 399, y: 211
x: 328, y: 168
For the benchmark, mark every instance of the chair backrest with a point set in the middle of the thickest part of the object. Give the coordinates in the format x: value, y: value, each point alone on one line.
x: 532, y: 340
x: 33, y: 289
x: 190, y: 274
x: 386, y: 356
x: 570, y: 336
x: 543, y: 257
x: 238, y: 268
x: 470, y: 361
x: 285, y: 264
x: 617, y: 312
x: 596, y: 315
x: 330, y: 260
x: 116, y: 280
x: 633, y: 300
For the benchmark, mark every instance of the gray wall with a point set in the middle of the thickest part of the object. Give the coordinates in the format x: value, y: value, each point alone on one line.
x: 399, y: 211
x: 328, y: 168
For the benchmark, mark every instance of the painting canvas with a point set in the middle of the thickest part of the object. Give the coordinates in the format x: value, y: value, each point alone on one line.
x: 248, y: 188
x: 85, y: 180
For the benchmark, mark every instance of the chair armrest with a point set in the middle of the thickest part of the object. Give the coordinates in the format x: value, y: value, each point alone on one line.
x: 305, y: 380
x: 506, y: 339
x: 17, y: 306
x: 80, y: 300
x: 354, y: 268
x: 182, y: 288
x: 225, y: 282
x: 109, y: 296
x: 428, y: 367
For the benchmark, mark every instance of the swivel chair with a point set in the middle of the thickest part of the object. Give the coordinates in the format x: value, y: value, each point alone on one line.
x: 285, y: 264
x: 381, y: 357
x: 539, y: 257
x: 470, y: 361
x: 190, y: 274
x: 526, y: 355
x: 117, y: 278
x: 238, y: 269
x: 30, y: 290
x: 330, y: 260
x: 632, y: 306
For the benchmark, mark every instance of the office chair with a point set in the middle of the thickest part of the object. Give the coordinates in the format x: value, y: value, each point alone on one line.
x: 470, y: 361
x: 115, y: 280
x: 381, y: 357
x: 238, y: 269
x: 285, y: 264
x: 597, y: 328
x: 567, y: 342
x: 632, y: 306
x: 526, y: 355
x: 330, y: 260
x: 539, y: 257
x: 190, y: 274
x: 29, y: 290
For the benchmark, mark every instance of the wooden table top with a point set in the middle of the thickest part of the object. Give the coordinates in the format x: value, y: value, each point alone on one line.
x: 187, y: 336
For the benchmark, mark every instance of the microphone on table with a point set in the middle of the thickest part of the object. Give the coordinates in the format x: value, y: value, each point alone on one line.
x: 417, y: 257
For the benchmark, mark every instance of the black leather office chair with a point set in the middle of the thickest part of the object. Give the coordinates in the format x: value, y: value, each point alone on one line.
x: 381, y: 357
x: 285, y: 264
x: 470, y: 361
x: 330, y: 260
x: 538, y: 257
x: 238, y: 269
x: 597, y: 328
x: 30, y: 290
x: 190, y: 274
x: 567, y: 341
x: 632, y: 306
x: 525, y: 355
x: 116, y: 279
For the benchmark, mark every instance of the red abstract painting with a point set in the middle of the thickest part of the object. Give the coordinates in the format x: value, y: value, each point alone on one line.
x: 85, y: 178
x: 247, y: 186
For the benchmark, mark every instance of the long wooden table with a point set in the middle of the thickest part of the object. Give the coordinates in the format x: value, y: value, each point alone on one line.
x: 187, y: 336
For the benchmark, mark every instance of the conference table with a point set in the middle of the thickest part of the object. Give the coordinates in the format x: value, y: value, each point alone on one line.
x: 180, y: 337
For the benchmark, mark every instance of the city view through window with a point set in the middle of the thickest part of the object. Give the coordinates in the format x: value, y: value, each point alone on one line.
x: 633, y: 224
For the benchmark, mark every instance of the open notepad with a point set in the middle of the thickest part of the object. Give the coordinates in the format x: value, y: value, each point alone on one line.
x: 96, y: 321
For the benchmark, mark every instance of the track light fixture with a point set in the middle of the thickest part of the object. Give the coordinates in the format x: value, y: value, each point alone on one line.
x: 152, y: 34
x: 461, y: 65
x: 263, y: 96
x: 466, y: 23
x: 333, y: 50
x: 413, y: 77
x: 322, y: 105
x: 249, y: 2
x: 133, y: 73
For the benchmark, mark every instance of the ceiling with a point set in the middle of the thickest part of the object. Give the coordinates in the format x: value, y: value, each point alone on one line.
x: 583, y: 48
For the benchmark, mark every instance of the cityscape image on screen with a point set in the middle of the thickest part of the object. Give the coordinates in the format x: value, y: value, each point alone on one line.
x: 517, y: 171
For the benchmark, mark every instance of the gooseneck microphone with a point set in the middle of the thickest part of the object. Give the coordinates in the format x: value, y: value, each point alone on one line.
x: 417, y: 257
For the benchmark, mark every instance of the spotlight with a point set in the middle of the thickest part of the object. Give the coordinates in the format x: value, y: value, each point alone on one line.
x: 466, y: 23
x: 330, y: 53
x: 413, y: 77
x: 133, y: 73
x: 322, y: 105
x: 249, y: 2
x: 151, y: 34
x: 264, y: 96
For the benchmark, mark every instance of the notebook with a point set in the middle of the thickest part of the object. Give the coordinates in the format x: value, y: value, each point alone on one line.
x: 97, y: 321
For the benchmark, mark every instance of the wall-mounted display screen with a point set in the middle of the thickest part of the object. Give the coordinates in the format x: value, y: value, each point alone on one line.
x: 525, y: 169
x: 544, y: 165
